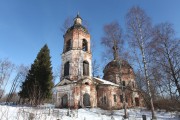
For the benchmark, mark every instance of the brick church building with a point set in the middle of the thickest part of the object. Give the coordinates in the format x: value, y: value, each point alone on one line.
x: 78, y: 88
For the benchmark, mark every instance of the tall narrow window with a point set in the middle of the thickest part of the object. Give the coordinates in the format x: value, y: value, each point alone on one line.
x: 66, y: 69
x: 121, y: 98
x: 124, y: 83
x: 85, y: 68
x: 115, y: 98
x: 84, y: 45
x: 104, y: 99
x: 69, y: 45
x: 133, y: 84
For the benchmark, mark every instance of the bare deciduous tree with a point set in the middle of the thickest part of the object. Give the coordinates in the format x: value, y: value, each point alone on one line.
x: 166, y: 52
x: 138, y: 31
x: 112, y: 39
x: 6, y: 68
x: 67, y: 24
x: 95, y: 68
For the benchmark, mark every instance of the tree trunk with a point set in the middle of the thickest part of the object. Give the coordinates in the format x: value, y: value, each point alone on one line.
x: 147, y: 81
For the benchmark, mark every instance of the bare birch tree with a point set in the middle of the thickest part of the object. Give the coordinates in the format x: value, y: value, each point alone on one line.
x: 138, y: 31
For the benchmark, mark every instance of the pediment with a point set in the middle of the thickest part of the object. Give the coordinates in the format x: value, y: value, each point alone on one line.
x: 86, y: 81
x: 63, y: 82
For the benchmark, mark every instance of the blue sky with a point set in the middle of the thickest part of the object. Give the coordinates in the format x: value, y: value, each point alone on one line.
x: 26, y: 25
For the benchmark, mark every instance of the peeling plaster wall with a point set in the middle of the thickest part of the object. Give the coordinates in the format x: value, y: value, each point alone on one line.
x: 61, y: 91
x: 75, y: 94
x: 80, y: 90
x: 76, y: 56
x: 109, y: 92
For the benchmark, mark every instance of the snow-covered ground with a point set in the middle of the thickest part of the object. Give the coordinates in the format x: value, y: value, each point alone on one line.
x: 44, y: 113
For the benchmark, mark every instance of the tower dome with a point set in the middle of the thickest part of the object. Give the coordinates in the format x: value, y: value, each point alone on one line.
x: 77, y: 25
x: 117, y: 69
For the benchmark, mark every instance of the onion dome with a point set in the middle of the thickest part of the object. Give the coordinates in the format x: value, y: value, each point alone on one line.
x: 77, y: 25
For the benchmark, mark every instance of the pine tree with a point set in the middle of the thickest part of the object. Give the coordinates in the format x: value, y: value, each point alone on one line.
x: 38, y: 84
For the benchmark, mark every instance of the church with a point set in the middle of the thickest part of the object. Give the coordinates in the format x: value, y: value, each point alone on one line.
x: 78, y: 88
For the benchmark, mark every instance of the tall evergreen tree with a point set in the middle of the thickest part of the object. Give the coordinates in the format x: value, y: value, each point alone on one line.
x: 38, y: 84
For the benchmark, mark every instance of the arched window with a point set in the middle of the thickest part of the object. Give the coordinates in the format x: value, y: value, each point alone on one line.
x: 66, y: 69
x: 84, y: 45
x: 85, y: 68
x: 69, y: 45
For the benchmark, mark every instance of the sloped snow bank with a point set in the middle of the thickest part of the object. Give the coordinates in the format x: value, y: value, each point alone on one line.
x: 50, y: 113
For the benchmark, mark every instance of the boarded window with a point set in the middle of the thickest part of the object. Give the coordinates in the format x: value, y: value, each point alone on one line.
x: 85, y: 68
x: 66, y: 69
x: 69, y: 45
x: 115, y: 99
x: 84, y: 45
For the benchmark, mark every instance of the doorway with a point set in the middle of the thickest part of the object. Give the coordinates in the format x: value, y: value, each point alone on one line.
x: 137, y: 101
x: 86, y: 100
x: 64, y: 100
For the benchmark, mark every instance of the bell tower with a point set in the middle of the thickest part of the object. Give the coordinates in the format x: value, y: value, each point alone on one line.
x: 76, y: 56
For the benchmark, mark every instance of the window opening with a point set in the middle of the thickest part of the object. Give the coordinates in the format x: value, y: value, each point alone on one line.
x: 124, y: 83
x: 66, y: 69
x: 121, y: 98
x: 86, y: 83
x: 115, y: 98
x: 85, y: 68
x: 104, y: 99
x: 84, y: 45
x: 69, y: 45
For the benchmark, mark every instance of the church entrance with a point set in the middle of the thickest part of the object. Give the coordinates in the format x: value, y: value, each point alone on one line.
x: 86, y: 100
x: 64, y: 100
x: 137, y: 101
